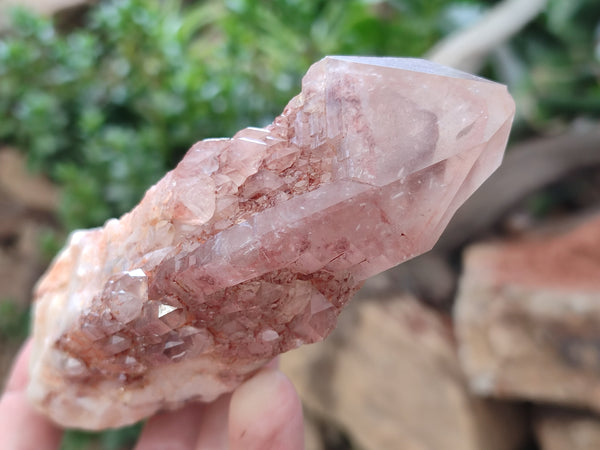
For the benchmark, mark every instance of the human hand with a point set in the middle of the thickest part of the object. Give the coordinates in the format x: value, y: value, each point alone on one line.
x: 263, y: 413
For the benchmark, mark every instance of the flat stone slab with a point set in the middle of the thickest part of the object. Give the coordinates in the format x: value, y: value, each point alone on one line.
x: 389, y: 375
x: 528, y: 317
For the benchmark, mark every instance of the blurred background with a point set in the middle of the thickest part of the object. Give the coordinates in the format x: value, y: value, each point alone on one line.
x: 98, y: 99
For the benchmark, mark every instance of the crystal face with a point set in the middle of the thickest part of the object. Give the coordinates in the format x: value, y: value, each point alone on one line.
x: 252, y: 245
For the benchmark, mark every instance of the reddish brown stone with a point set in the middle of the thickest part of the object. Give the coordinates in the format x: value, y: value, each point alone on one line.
x: 528, y: 317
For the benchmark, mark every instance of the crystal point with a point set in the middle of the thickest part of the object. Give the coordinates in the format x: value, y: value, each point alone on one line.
x: 251, y: 246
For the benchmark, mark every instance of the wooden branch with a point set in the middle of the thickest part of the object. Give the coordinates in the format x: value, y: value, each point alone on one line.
x: 467, y: 49
x: 45, y: 7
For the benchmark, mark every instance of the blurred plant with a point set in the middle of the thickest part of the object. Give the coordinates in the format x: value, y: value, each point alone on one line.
x: 101, y: 109
x: 553, y: 66
x: 14, y: 320
x: 50, y: 241
x: 107, y: 108
x: 123, y: 438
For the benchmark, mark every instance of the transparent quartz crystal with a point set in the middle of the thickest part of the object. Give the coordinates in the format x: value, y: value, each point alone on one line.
x: 252, y: 245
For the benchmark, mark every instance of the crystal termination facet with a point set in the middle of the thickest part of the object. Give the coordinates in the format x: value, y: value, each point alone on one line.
x: 252, y: 245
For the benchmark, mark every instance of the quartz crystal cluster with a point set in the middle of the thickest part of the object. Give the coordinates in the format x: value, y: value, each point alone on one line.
x: 252, y: 245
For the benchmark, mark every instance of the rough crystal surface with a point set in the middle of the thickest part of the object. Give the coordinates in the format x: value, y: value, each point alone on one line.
x: 252, y: 245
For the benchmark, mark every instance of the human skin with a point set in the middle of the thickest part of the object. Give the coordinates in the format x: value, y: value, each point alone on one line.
x: 263, y: 413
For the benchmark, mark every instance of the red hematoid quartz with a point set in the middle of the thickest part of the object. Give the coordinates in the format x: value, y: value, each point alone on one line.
x: 251, y: 246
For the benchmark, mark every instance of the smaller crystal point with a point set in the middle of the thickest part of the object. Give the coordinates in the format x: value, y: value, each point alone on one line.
x: 251, y: 246
x: 163, y: 310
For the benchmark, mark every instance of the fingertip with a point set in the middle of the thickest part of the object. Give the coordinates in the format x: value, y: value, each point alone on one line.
x: 213, y: 429
x: 266, y: 413
x: 273, y: 364
x: 19, y: 374
x: 172, y: 429
x: 21, y: 427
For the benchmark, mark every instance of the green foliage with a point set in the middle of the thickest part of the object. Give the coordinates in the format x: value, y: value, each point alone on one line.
x: 101, y: 109
x: 567, y: 79
x: 14, y: 320
x: 553, y: 66
x: 50, y: 241
x: 107, y: 108
x: 121, y: 439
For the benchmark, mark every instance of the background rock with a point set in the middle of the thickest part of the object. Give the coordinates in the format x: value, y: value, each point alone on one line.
x: 389, y: 375
x: 27, y: 205
x: 312, y: 434
x: 567, y: 430
x: 528, y: 317
x: 29, y: 190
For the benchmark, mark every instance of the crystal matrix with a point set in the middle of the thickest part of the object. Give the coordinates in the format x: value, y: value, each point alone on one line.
x: 252, y: 245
